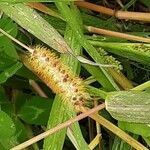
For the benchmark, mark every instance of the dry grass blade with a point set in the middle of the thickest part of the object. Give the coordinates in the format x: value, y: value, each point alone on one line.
x: 95, y: 142
x: 131, y: 141
x: 58, y: 127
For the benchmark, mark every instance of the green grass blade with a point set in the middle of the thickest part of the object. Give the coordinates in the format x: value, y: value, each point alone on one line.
x: 30, y: 20
x: 129, y: 106
x: 136, y: 128
x: 134, y: 51
x: 57, y: 115
x: 9, y: 72
x: 65, y: 113
x: 147, y: 140
x: 99, y: 76
x: 75, y: 26
x: 96, y: 92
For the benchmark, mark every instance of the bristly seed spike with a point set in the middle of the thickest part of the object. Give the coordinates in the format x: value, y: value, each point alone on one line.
x: 56, y: 75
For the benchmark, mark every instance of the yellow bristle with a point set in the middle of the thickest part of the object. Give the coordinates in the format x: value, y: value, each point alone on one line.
x: 56, y: 75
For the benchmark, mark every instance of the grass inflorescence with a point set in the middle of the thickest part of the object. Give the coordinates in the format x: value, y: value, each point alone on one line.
x: 50, y: 69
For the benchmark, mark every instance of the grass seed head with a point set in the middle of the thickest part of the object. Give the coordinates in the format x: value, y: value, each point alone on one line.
x: 56, y: 75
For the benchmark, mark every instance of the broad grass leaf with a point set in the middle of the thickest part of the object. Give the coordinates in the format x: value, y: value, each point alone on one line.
x: 7, y: 126
x: 8, y: 47
x: 21, y: 131
x: 8, y: 25
x: 35, y: 110
x: 136, y: 128
x: 5, y: 60
x: 5, y: 43
x: 7, y: 73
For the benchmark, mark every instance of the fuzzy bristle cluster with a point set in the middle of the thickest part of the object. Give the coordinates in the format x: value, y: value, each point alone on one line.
x: 57, y: 76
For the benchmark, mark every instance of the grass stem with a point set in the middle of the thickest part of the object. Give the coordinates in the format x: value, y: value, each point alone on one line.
x: 92, y: 29
x: 128, y: 15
